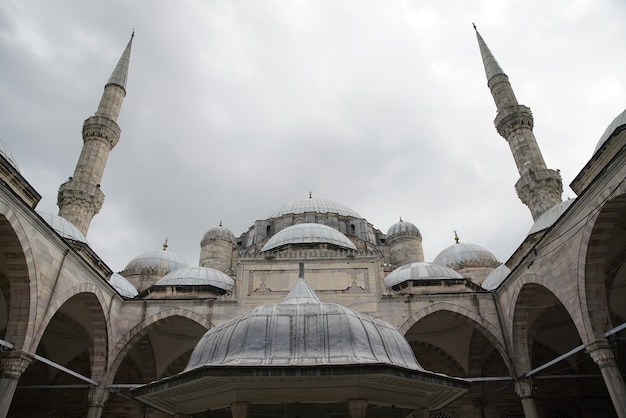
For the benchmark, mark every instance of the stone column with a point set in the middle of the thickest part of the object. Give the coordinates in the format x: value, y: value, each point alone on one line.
x: 604, y: 356
x: 239, y: 409
x: 12, y: 364
x: 98, y: 396
x: 524, y: 389
x: 357, y: 407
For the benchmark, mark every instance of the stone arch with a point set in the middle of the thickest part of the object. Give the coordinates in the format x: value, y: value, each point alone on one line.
x: 19, y: 271
x: 597, y: 258
x: 532, y: 290
x: 140, y: 330
x: 479, y: 323
x: 99, y: 322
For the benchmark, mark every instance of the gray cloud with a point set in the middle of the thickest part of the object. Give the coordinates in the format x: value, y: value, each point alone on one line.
x: 235, y: 108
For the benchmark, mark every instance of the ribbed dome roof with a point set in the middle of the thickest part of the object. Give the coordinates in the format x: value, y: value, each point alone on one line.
x: 302, y: 331
x: 218, y: 232
x: 618, y: 123
x: 197, y: 276
x: 308, y: 233
x: 422, y: 270
x: 123, y: 286
x: 6, y: 153
x: 550, y: 216
x: 63, y: 227
x: 313, y: 204
x: 496, y: 277
x: 465, y: 253
x: 155, y: 260
x: 403, y: 227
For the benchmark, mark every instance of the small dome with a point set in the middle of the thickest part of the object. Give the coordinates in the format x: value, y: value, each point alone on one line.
x: 308, y: 233
x: 219, y: 232
x: 422, y: 270
x: 496, y: 277
x: 403, y: 227
x: 6, y: 153
x: 550, y: 216
x: 465, y: 254
x: 123, y: 286
x: 63, y: 227
x: 618, y: 124
x: 197, y: 276
x: 313, y: 204
x: 163, y: 260
x: 303, y: 331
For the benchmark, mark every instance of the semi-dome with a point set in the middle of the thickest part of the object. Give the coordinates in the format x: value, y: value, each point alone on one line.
x: 216, y: 233
x: 303, y: 331
x: 403, y: 227
x: 463, y: 254
x: 550, y: 216
x: 422, y: 270
x: 197, y: 276
x: 618, y: 124
x: 6, y: 153
x: 308, y: 233
x: 162, y: 260
x: 496, y: 277
x: 313, y: 204
x: 123, y: 286
x: 63, y: 227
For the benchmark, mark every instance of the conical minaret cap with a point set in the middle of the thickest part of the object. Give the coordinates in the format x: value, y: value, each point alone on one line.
x: 492, y: 68
x: 301, y: 292
x: 120, y: 73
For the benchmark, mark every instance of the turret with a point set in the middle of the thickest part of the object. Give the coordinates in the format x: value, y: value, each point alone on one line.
x: 80, y: 198
x: 539, y: 187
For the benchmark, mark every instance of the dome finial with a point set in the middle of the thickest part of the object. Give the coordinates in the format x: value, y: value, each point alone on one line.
x: 401, y: 219
x: 310, y: 194
x: 456, y: 237
x: 474, y: 25
x: 220, y: 222
x: 165, y: 244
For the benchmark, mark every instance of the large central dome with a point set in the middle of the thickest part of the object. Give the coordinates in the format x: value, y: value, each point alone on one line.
x: 315, y: 205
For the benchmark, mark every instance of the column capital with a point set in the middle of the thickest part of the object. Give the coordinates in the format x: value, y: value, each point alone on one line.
x: 602, y: 353
x: 525, y: 388
x: 98, y: 396
x: 14, y: 362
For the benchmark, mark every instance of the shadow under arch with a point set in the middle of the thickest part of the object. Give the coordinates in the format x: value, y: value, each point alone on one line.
x: 604, y: 250
x: 470, y: 318
x: 148, y: 325
x: 18, y: 281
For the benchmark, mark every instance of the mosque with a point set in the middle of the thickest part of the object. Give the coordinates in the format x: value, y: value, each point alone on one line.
x: 313, y: 311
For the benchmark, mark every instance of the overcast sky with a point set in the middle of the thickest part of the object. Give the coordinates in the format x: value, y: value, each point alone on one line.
x: 234, y: 108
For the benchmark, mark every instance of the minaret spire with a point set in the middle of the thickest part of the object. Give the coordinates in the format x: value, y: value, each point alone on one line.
x: 80, y: 198
x: 539, y: 187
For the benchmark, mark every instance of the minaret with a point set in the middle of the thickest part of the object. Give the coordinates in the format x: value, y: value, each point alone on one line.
x: 80, y: 198
x: 539, y: 187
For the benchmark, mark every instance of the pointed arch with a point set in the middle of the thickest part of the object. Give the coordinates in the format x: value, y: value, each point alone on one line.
x: 19, y: 279
x: 126, y: 343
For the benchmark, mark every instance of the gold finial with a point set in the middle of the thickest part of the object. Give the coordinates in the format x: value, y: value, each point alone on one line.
x: 456, y: 237
x: 165, y: 244
x: 220, y: 222
x: 401, y: 219
x: 310, y: 194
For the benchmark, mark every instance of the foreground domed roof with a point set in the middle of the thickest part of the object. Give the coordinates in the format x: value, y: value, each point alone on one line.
x: 313, y: 204
x: 123, y: 286
x: 162, y: 260
x: 496, y: 277
x: 618, y: 123
x: 218, y: 232
x: 6, y: 153
x: 422, y: 270
x: 465, y: 254
x: 197, y: 276
x: 63, y: 227
x: 308, y: 233
x: 550, y: 216
x: 302, y: 330
x: 403, y: 227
